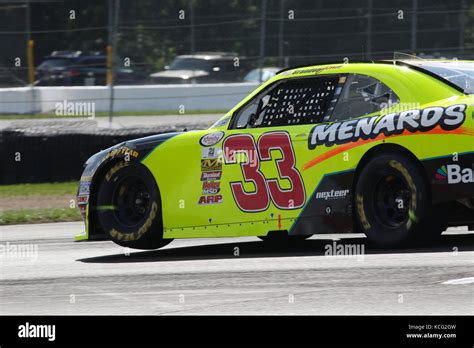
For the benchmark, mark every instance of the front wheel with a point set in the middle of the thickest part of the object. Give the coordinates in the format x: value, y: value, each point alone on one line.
x: 392, y: 202
x: 129, y: 207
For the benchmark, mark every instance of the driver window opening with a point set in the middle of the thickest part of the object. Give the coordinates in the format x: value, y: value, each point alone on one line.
x: 292, y: 102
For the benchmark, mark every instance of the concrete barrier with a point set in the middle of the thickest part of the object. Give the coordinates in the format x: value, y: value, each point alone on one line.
x: 22, y: 100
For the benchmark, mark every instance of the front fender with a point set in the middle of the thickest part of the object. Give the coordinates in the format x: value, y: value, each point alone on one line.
x: 94, y: 168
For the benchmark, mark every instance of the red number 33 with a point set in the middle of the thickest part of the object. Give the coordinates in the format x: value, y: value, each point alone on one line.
x: 265, y: 189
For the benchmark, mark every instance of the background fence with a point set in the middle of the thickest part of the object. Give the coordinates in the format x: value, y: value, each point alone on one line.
x: 147, y: 35
x: 144, y: 36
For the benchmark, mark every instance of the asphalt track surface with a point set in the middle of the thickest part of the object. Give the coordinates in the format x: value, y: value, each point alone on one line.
x: 204, y: 276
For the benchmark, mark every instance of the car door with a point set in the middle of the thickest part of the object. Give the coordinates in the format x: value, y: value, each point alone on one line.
x: 266, y: 149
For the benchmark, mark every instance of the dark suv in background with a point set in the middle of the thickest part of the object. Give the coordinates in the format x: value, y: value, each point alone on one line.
x: 203, y: 67
x: 76, y: 68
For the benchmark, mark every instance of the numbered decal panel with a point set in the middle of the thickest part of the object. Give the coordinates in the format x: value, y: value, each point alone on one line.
x: 285, y: 190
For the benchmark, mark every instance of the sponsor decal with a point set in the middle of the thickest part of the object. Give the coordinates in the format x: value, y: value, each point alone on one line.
x: 83, y: 199
x: 267, y: 189
x: 123, y: 151
x: 455, y: 174
x: 215, y: 199
x: 210, y: 152
x: 333, y: 194
x: 210, y: 176
x: 83, y: 210
x: 211, y: 187
x: 211, y: 164
x: 84, y: 188
x: 114, y: 169
x: 416, y: 120
x: 211, y: 138
x: 314, y: 70
x: 441, y: 173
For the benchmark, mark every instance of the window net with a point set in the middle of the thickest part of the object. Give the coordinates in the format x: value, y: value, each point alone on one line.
x: 299, y: 102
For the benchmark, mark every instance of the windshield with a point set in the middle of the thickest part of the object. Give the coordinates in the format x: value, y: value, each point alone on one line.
x: 459, y: 73
x: 254, y: 75
x: 54, y: 63
x: 190, y: 64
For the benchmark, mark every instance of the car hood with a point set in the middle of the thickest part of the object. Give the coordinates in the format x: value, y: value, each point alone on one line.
x: 142, y: 146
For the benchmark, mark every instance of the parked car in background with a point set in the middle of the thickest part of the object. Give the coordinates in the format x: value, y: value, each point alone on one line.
x: 203, y: 67
x: 266, y: 74
x: 76, y: 68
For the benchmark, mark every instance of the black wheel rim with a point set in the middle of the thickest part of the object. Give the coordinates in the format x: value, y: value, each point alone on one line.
x: 132, y: 201
x: 392, y: 200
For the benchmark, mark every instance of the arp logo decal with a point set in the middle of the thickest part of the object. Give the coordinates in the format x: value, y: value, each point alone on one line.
x: 214, y: 199
x: 417, y: 120
x: 455, y: 174
x: 211, y: 187
x: 209, y: 176
x: 211, y: 138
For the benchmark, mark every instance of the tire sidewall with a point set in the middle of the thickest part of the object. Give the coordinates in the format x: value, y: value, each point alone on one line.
x: 148, y: 233
x: 369, y: 221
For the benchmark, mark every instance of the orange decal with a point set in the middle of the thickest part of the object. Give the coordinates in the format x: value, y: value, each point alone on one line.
x: 342, y: 148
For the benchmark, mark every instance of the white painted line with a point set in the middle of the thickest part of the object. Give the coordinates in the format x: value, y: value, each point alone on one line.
x: 460, y: 281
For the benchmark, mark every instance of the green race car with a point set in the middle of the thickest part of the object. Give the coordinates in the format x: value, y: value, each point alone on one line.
x: 385, y: 148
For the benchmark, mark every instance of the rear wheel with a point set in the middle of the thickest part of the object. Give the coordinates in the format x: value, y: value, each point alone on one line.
x: 392, y: 202
x: 129, y: 207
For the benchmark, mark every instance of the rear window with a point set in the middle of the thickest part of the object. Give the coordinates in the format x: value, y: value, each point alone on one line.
x: 459, y: 73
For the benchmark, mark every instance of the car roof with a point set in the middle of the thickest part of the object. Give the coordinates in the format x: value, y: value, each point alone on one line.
x: 405, y: 62
x: 369, y: 65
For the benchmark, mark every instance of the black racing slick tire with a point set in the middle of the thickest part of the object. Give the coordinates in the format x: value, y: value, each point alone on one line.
x: 392, y: 202
x: 129, y: 207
